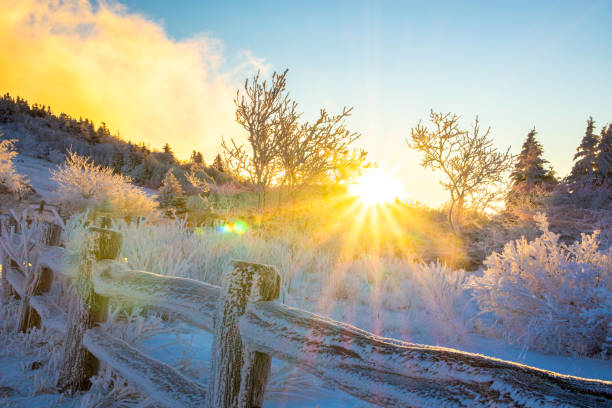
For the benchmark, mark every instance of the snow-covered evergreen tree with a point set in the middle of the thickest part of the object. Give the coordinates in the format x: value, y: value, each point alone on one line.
x: 171, y: 192
x: 604, y: 157
x: 529, y: 169
x: 530, y: 176
x: 585, y: 158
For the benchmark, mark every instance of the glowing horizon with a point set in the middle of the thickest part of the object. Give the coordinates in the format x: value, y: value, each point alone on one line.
x: 377, y: 186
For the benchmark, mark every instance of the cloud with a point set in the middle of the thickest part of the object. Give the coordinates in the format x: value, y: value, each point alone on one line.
x: 108, y: 64
x: 251, y: 61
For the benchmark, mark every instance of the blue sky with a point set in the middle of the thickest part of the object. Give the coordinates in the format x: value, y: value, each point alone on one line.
x: 515, y: 64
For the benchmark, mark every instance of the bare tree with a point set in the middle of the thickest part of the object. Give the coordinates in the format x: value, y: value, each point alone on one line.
x: 317, y: 152
x: 257, y: 110
x: 475, y: 170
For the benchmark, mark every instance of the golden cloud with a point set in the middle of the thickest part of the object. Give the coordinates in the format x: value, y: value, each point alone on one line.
x: 108, y: 64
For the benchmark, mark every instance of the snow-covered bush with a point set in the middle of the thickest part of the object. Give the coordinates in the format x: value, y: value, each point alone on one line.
x: 550, y: 296
x: 82, y: 184
x: 9, y: 178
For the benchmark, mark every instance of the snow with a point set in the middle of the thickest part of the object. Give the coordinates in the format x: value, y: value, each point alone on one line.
x: 188, y: 349
x: 39, y: 173
x: 289, y: 386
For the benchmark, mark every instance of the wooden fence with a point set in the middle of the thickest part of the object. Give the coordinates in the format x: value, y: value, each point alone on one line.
x: 250, y: 328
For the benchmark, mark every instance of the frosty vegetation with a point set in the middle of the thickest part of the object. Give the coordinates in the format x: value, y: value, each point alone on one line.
x: 82, y: 184
x: 9, y: 178
x: 541, y: 294
x: 550, y: 296
x: 42, y: 134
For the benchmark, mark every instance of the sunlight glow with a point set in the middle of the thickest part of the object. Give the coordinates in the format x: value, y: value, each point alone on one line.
x: 239, y: 227
x: 376, y: 186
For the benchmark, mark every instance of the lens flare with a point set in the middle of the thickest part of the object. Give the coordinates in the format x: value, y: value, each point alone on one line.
x: 239, y: 227
x: 376, y: 187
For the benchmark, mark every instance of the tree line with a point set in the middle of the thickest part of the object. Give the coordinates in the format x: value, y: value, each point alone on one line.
x: 476, y: 173
x: 592, y: 166
x: 42, y: 134
x: 285, y: 151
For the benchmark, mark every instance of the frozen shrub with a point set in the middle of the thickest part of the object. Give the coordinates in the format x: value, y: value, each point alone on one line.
x: 9, y: 179
x: 82, y: 184
x: 550, y: 296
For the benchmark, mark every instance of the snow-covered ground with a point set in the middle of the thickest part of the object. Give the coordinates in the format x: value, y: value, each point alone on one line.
x: 24, y: 381
x: 39, y: 173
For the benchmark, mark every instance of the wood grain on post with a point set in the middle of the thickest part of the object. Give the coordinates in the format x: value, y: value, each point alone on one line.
x: 86, y: 309
x: 51, y: 233
x: 238, y: 374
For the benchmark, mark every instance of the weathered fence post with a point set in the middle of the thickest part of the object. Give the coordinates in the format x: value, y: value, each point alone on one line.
x: 239, y: 375
x: 7, y: 223
x: 41, y: 280
x: 6, y: 287
x: 86, y: 309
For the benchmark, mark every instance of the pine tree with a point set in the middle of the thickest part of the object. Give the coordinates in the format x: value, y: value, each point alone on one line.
x: 529, y: 170
x: 585, y: 158
x: 196, y: 157
x: 171, y: 193
x: 604, y: 157
x: 167, y: 155
x: 218, y: 164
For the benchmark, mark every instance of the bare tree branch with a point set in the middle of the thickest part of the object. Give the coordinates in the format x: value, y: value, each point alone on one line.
x: 474, y: 169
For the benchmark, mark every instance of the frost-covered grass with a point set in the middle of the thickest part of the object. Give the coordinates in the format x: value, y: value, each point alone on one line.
x: 31, y: 362
x: 550, y: 296
x: 541, y: 294
x: 392, y: 289
x: 82, y: 185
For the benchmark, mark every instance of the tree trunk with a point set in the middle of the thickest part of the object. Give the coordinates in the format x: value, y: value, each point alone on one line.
x: 450, y: 216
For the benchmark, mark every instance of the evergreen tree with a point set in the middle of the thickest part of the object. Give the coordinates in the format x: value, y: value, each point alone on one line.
x: 529, y: 170
x: 604, y: 157
x: 196, y: 157
x: 585, y: 158
x: 171, y: 193
x: 167, y: 155
x: 218, y: 164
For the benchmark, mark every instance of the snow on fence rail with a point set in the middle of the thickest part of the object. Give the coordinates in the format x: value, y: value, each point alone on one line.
x: 250, y: 329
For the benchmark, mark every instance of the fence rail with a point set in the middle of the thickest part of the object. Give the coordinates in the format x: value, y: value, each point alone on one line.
x: 249, y: 329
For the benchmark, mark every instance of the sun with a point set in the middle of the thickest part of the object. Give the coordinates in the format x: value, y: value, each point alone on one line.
x: 376, y: 186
